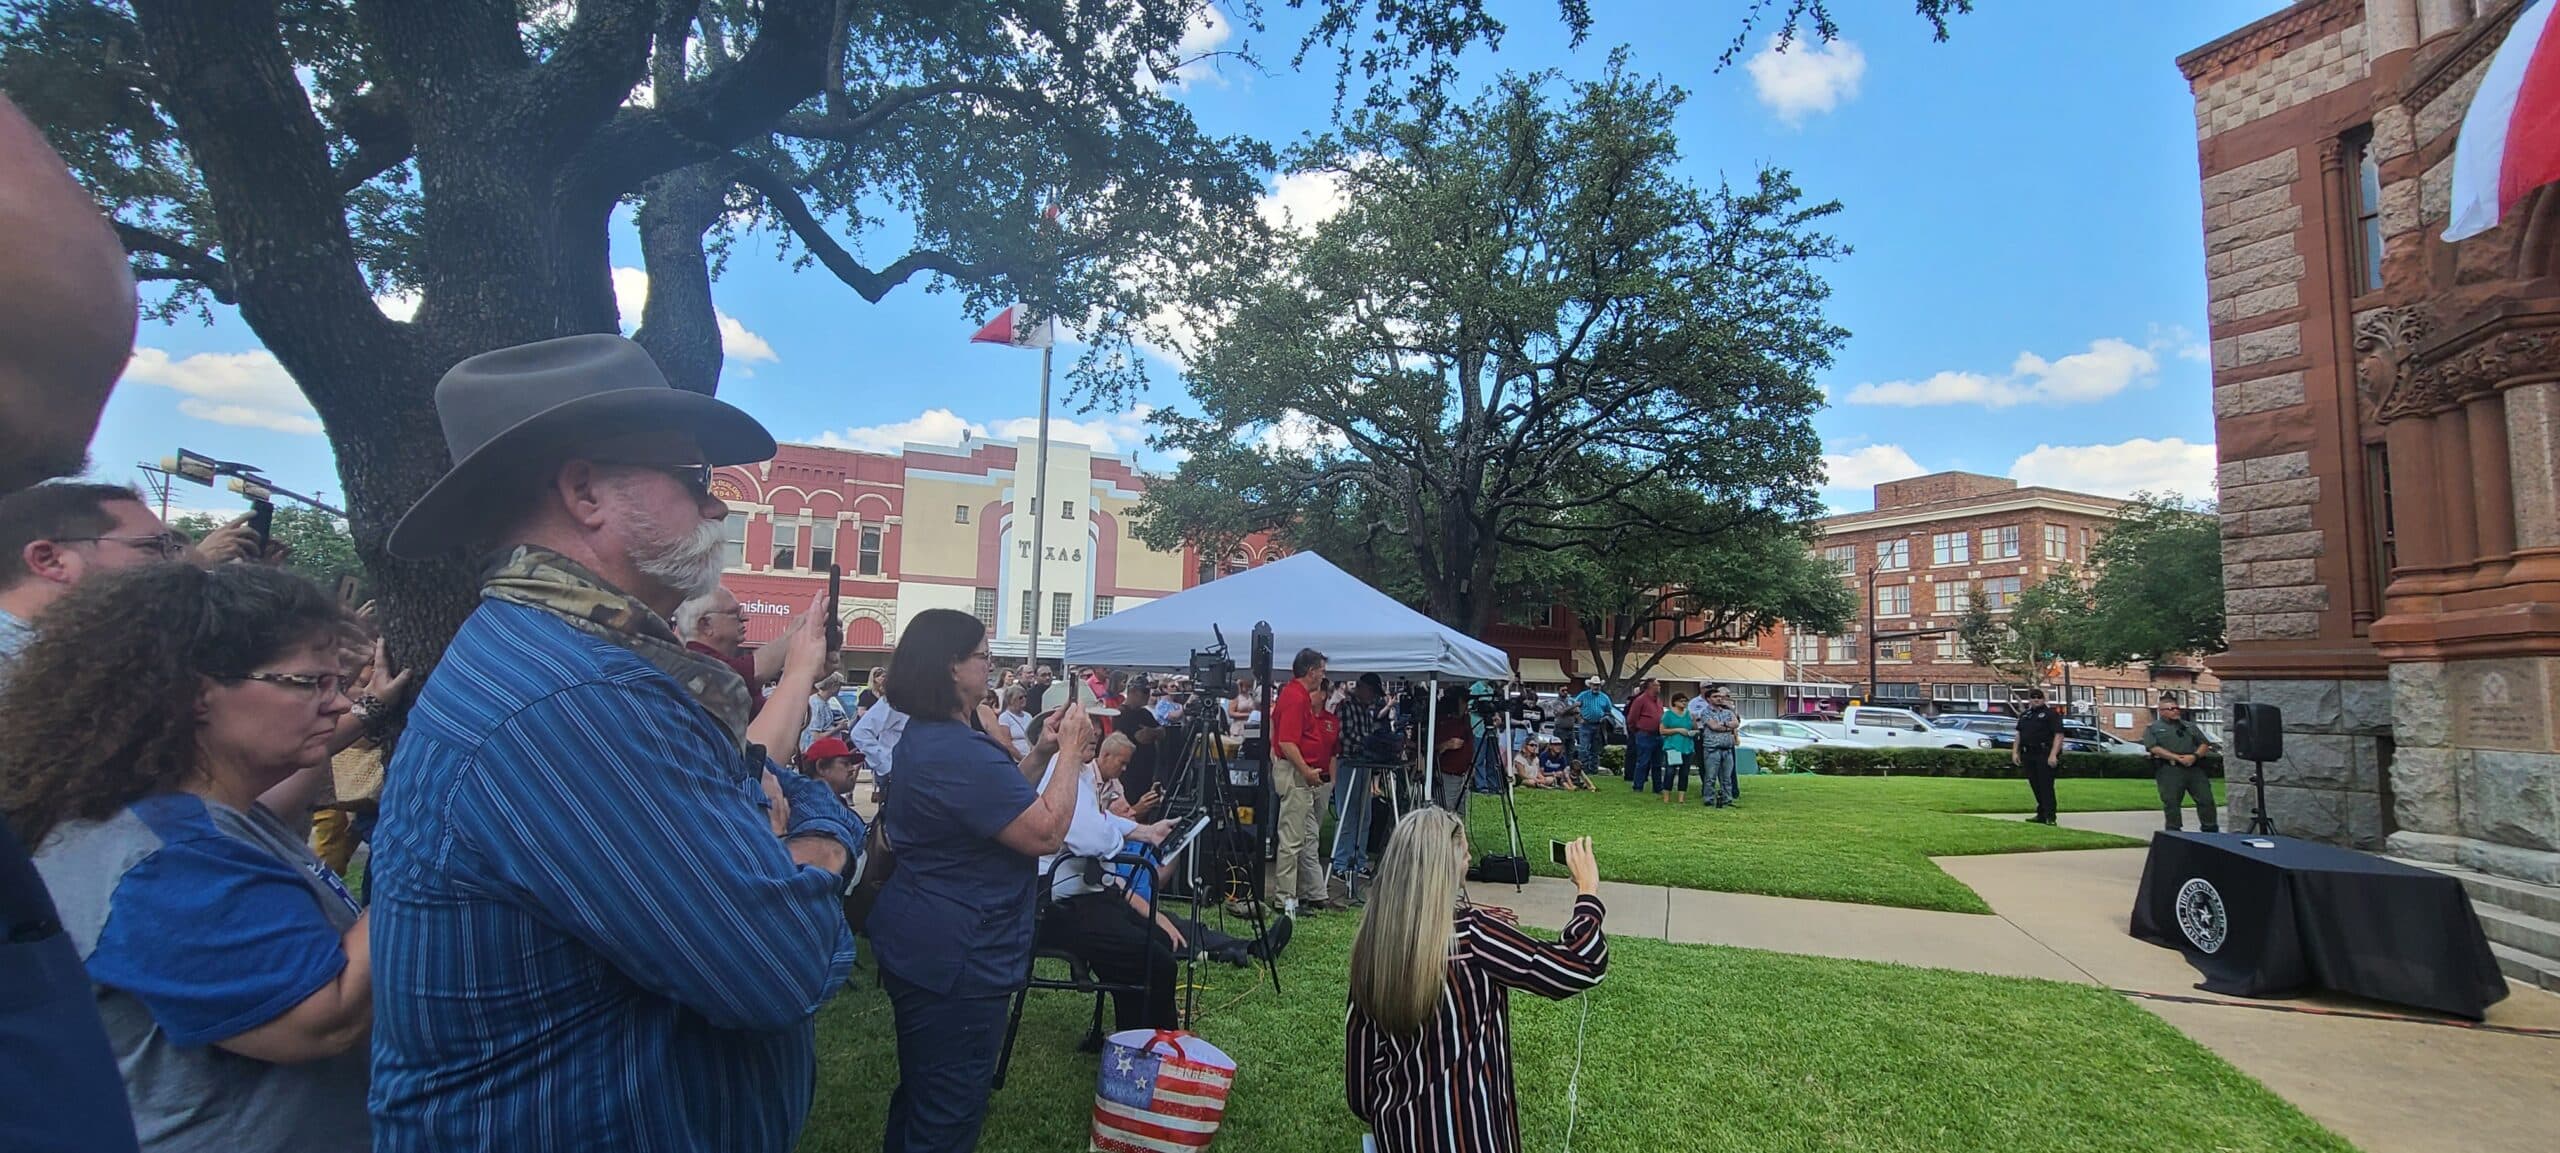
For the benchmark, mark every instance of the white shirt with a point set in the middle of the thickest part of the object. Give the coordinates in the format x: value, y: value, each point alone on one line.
x: 1019, y: 725
x: 1094, y: 832
x: 876, y: 736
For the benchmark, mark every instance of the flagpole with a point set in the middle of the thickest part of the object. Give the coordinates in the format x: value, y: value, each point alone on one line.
x: 1040, y: 509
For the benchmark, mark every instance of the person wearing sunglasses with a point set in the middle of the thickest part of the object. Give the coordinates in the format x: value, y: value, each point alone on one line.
x: 53, y: 536
x: 146, y: 727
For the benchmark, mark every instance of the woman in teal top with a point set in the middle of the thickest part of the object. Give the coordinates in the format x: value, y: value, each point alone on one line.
x: 1678, y: 750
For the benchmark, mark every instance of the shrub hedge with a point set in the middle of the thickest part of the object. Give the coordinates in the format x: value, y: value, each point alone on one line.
x: 1842, y: 762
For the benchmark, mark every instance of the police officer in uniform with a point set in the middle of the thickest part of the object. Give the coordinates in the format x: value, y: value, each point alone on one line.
x: 2038, y: 750
x: 2176, y: 745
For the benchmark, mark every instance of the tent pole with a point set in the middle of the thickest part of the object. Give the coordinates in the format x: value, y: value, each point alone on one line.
x: 1039, y: 514
x: 1430, y: 739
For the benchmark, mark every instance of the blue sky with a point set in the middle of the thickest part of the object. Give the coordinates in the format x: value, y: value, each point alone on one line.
x: 2026, y: 297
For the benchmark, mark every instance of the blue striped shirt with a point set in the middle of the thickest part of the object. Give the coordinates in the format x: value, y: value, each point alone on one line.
x: 585, y: 934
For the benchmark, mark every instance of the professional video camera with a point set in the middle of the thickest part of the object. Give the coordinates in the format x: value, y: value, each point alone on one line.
x: 1213, y: 672
x: 1492, y: 707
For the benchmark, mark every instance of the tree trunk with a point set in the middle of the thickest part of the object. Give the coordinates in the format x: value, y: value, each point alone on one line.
x: 678, y: 326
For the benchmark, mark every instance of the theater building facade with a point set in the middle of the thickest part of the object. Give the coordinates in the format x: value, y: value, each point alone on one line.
x: 2387, y: 407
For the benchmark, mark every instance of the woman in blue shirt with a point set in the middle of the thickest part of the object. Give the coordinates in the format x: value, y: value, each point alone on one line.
x: 952, y: 928
x: 142, y: 743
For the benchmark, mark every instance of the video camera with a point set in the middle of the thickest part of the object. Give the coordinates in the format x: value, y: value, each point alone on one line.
x: 1213, y: 672
x: 1493, y: 707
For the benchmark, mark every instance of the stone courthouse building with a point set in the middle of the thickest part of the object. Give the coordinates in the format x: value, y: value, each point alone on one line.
x: 2388, y: 412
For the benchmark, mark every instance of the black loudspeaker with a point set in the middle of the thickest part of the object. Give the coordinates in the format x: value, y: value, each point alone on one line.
x: 2257, y: 732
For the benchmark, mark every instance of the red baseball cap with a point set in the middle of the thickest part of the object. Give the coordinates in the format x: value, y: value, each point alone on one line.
x: 826, y: 748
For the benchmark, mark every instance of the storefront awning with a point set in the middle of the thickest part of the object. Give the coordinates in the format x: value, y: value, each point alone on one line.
x: 1712, y: 669
x: 1541, y: 671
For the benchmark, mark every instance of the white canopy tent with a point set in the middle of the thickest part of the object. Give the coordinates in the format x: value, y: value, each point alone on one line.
x: 1310, y: 604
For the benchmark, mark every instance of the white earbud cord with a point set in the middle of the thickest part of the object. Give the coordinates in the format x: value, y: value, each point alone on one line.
x: 1573, y: 1082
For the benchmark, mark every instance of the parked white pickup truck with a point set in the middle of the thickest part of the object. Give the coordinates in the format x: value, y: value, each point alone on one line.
x: 1903, y: 729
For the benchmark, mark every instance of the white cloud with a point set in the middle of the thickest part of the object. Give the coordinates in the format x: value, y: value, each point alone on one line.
x: 1209, y: 28
x: 243, y: 389
x: 1297, y: 432
x: 1120, y: 433
x: 2137, y: 465
x: 741, y: 344
x: 2109, y: 367
x: 1798, y: 79
x: 1864, y: 468
x: 1299, y: 201
x: 398, y: 305
x: 631, y: 295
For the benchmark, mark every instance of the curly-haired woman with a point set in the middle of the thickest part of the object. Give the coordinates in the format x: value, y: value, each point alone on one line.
x: 136, y: 736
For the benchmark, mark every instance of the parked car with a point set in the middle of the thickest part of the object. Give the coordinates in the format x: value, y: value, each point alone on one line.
x: 2003, y: 730
x: 1822, y: 716
x: 1787, y: 735
x: 1903, y: 728
x: 2080, y: 738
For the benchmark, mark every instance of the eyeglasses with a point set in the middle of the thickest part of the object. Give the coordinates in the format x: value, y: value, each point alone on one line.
x: 313, y: 684
x: 696, y: 478
x: 167, y: 544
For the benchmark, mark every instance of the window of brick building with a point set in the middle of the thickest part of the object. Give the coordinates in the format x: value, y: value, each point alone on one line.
x: 1893, y: 554
x: 1893, y: 600
x: 2385, y: 551
x: 959, y: 514
x: 1894, y: 651
x: 2000, y: 543
x: 1840, y: 648
x: 1951, y: 548
x: 867, y: 562
x: 786, y: 545
x: 1953, y: 597
x: 982, y: 605
x: 2364, y: 239
x: 2057, y: 542
x: 1999, y: 594
x: 822, y: 544
x: 1030, y: 612
x: 1804, y: 648
x: 1060, y: 604
x: 2128, y: 698
x: 733, y: 545
x: 1101, y: 607
x: 1066, y: 510
x: 1951, y: 648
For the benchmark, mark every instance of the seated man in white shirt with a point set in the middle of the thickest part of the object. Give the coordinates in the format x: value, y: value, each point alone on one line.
x: 1094, y: 917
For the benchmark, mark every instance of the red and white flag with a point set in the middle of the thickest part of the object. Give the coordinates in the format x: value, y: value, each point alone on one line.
x: 1011, y: 327
x: 2510, y: 143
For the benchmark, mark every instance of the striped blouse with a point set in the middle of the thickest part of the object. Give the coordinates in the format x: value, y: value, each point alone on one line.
x: 1448, y: 1088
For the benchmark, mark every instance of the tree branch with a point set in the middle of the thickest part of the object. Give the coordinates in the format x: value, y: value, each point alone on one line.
x: 872, y: 286
x: 850, y: 128
x: 704, y: 120
x: 600, y: 59
x: 184, y: 262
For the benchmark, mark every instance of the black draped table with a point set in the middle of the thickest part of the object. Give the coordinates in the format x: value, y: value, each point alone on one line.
x: 2299, y: 915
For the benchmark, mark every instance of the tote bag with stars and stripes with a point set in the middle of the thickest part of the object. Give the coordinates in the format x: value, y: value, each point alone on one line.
x: 1161, y: 1091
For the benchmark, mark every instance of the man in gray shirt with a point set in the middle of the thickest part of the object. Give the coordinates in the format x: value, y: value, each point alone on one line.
x: 1717, y: 723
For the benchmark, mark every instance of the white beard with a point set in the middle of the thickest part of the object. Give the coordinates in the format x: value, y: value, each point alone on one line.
x: 689, y: 564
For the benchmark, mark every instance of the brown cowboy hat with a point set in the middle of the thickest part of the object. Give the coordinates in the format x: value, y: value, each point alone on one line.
x: 505, y: 409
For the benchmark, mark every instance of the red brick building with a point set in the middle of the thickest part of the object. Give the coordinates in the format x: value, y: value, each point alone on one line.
x: 1917, y: 560
x: 2387, y: 406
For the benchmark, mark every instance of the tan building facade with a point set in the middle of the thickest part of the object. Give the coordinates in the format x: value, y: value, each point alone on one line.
x: 2387, y: 407
x: 1917, y: 560
x: 944, y: 526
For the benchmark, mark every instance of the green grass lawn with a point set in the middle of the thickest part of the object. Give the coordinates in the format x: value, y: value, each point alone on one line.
x: 1862, y: 839
x: 1689, y: 1047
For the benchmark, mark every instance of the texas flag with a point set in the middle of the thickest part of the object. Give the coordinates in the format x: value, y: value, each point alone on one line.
x: 2510, y: 143
x: 1011, y: 326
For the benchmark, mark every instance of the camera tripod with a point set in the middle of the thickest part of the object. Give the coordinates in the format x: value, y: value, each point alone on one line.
x: 1204, y: 783
x: 1494, y: 755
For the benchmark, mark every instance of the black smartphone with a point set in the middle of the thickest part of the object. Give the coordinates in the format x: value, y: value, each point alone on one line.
x: 835, y: 620
x: 1556, y: 849
x: 262, y: 518
x: 347, y: 589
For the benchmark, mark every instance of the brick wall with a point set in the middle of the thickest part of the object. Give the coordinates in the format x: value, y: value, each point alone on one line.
x: 2270, y: 549
x: 2316, y: 67
x: 1939, y: 486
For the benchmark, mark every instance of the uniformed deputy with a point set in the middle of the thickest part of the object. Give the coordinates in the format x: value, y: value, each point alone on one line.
x: 2176, y: 744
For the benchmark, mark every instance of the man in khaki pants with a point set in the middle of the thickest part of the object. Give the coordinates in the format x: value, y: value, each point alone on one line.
x: 1299, y: 878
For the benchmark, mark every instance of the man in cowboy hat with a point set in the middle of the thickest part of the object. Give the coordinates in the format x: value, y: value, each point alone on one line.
x: 601, y: 919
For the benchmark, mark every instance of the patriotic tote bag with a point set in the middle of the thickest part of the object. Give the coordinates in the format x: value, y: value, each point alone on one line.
x: 1161, y: 1091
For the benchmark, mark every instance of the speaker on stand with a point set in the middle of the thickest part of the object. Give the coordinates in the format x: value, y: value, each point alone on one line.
x: 2257, y: 736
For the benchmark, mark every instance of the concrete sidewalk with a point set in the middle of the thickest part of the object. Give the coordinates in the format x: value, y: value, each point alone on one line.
x: 2389, y: 1086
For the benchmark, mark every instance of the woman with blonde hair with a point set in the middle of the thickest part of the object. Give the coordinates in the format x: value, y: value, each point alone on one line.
x: 1427, y: 1052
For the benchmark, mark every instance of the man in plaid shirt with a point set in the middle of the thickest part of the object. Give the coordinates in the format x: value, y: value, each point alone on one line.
x: 1368, y: 730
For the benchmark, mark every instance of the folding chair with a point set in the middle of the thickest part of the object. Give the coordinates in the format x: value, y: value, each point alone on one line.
x: 1079, y: 979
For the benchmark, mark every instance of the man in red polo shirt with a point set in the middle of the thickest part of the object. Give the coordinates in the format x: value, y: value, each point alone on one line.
x: 1300, y: 766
